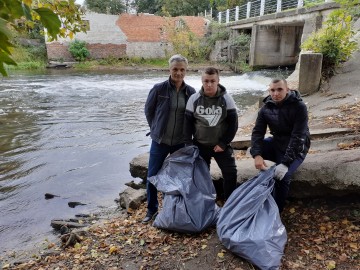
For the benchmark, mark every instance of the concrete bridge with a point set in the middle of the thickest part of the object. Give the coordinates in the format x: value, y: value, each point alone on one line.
x: 277, y: 28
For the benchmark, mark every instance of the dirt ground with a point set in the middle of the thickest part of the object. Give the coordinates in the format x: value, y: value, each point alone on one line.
x: 322, y: 234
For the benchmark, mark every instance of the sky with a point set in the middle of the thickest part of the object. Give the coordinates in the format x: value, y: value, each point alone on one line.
x: 80, y: 2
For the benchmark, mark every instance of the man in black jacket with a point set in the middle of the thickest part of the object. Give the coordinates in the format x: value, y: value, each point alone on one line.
x: 164, y: 110
x: 286, y: 116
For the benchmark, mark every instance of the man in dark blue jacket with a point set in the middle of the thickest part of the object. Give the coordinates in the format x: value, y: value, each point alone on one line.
x: 164, y: 110
x: 286, y: 116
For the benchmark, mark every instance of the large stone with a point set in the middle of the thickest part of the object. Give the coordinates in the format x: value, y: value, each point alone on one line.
x: 131, y: 199
x: 242, y: 142
x: 327, y: 170
x: 139, y: 165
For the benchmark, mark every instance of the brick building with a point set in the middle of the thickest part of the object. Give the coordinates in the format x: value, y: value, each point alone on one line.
x: 132, y: 35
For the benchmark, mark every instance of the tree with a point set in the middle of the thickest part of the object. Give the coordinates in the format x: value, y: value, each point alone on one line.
x: 221, y: 5
x: 183, y: 8
x: 60, y: 18
x: 147, y: 6
x: 105, y: 6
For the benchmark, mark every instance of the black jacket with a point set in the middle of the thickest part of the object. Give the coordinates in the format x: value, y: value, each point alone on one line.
x: 157, y: 107
x: 287, y: 122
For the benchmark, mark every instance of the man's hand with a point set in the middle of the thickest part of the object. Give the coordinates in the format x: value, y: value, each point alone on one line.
x: 260, y: 163
x: 280, y: 171
x: 217, y: 149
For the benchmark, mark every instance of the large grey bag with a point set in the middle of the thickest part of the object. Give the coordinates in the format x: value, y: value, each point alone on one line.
x: 249, y: 224
x: 189, y: 202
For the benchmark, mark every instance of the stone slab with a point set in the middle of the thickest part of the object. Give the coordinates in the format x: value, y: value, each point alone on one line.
x: 244, y: 142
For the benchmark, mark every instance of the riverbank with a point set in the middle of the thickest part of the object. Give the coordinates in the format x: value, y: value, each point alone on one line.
x: 121, y: 65
x: 322, y: 234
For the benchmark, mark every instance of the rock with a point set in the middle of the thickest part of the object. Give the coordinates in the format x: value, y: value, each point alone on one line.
x: 138, y: 166
x: 242, y: 142
x: 74, y: 204
x: 330, y: 173
x: 55, y: 64
x: 327, y: 170
x: 64, y: 230
x: 50, y: 196
x: 83, y: 215
x: 130, y: 199
x: 58, y: 223
x: 135, y: 185
x: 70, y: 239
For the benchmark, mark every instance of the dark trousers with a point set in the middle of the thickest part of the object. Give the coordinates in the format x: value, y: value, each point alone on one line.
x: 158, y: 153
x: 281, y: 189
x: 226, y: 163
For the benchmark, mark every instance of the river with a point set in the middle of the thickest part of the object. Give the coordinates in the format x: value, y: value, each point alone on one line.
x: 73, y: 135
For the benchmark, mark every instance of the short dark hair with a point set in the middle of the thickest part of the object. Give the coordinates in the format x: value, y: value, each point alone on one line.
x: 211, y: 71
x: 276, y: 80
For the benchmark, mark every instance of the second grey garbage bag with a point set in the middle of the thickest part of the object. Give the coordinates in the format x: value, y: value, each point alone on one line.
x: 189, y: 202
x: 249, y: 224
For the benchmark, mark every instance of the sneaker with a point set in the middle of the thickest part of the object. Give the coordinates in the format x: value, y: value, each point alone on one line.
x: 220, y: 202
x: 149, y: 217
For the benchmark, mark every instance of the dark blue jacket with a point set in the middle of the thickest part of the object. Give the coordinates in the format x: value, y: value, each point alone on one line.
x: 157, y: 107
x: 288, y: 123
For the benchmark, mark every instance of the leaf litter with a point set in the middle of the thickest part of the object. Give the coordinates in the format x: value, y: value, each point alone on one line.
x: 322, y: 234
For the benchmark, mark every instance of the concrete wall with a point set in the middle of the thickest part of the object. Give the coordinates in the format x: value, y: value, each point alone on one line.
x: 276, y: 38
x: 104, y: 39
x: 309, y: 72
x: 125, y: 35
x: 148, y: 49
x: 275, y: 45
x: 220, y: 51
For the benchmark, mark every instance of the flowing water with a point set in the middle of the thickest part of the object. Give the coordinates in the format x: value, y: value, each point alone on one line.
x: 73, y: 135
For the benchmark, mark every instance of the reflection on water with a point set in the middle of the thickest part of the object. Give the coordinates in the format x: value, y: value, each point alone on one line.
x: 74, y: 135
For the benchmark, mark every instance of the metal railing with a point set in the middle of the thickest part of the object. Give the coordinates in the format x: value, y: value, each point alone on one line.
x: 262, y: 7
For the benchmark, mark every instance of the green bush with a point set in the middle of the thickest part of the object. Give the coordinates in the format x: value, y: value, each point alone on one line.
x: 334, y: 41
x: 78, y: 50
x: 217, y: 32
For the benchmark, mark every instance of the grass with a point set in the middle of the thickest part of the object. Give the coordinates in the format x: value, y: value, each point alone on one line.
x: 30, y: 65
x: 28, y: 58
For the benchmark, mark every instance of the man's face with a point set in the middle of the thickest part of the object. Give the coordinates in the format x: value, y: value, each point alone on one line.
x: 210, y: 84
x: 177, y: 72
x: 278, y: 91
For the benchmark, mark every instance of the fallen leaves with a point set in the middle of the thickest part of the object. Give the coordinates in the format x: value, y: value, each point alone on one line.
x: 349, y: 117
x: 321, y: 235
x: 326, y: 233
x: 348, y: 145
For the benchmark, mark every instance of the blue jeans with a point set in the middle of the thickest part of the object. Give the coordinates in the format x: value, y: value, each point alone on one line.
x: 281, y: 189
x: 158, y: 153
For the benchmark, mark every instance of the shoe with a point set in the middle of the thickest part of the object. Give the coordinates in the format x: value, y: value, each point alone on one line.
x: 149, y: 217
x: 220, y: 202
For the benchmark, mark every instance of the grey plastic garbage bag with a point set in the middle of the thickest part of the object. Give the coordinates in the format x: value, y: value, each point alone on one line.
x: 189, y: 202
x: 249, y: 224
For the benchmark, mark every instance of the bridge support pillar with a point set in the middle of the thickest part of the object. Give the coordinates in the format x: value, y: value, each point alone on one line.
x: 273, y: 45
